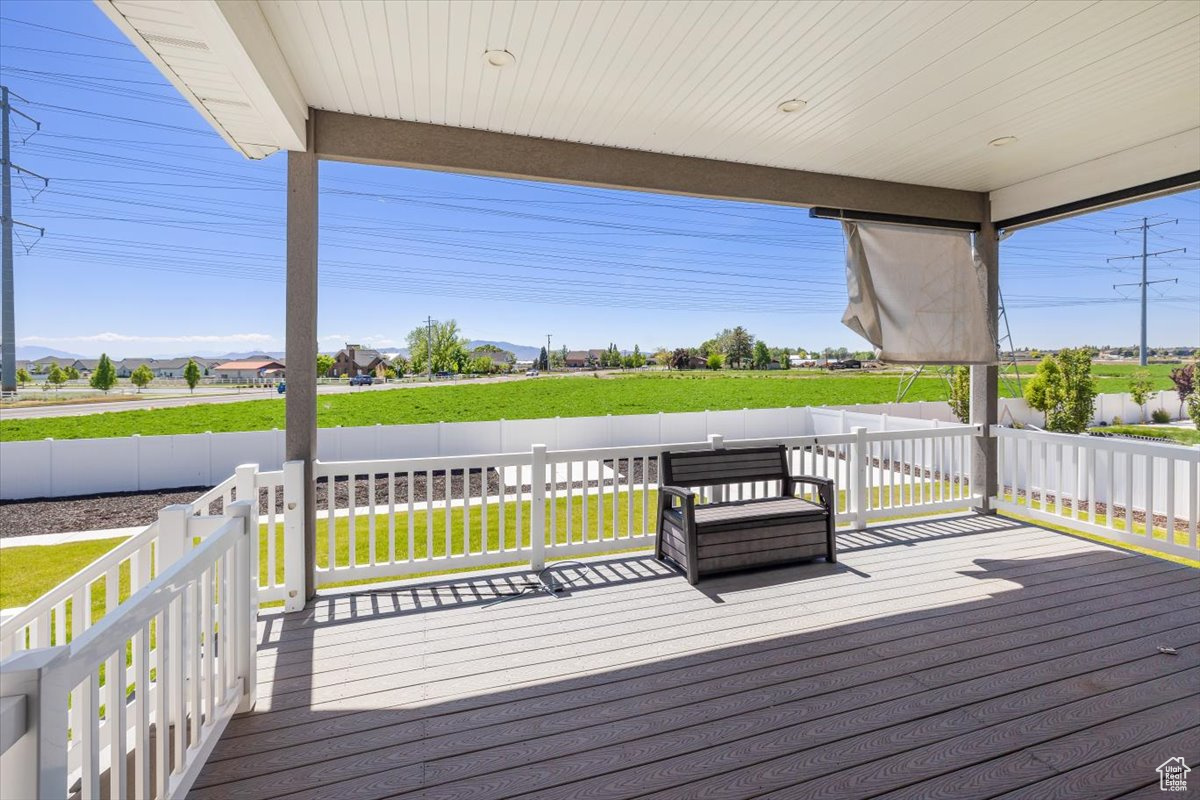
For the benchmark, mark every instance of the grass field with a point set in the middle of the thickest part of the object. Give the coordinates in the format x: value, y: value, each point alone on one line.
x: 1169, y: 432
x: 566, y: 396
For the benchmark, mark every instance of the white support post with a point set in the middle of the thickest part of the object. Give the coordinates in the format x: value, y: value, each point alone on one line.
x: 537, y: 520
x: 172, y: 536
x: 294, y: 492
x: 243, y: 482
x: 35, y: 765
x: 716, y: 441
x: 245, y: 602
x: 858, y: 500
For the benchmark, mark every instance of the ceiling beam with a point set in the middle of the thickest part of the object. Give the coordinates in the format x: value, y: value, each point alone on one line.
x: 371, y: 140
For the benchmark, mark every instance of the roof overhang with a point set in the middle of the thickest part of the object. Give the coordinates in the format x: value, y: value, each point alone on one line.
x: 905, y: 103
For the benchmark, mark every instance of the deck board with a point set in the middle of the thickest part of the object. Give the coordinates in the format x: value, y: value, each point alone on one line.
x: 957, y: 657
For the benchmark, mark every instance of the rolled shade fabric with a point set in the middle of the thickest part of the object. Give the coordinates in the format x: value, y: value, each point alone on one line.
x: 918, y: 294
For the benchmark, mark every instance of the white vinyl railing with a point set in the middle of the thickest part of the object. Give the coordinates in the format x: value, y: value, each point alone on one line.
x: 82, y: 600
x: 400, y: 517
x: 1136, y: 492
x: 131, y: 707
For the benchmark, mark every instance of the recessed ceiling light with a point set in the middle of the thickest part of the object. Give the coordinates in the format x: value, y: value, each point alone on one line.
x: 499, y: 58
x: 1002, y: 141
x: 788, y: 106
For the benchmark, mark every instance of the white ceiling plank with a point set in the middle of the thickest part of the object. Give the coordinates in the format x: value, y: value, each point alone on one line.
x: 905, y: 91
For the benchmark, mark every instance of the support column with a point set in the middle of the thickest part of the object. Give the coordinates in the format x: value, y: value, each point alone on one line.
x: 301, y: 346
x: 985, y: 380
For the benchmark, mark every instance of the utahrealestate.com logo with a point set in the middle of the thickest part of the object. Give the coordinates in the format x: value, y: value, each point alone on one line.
x: 1172, y: 775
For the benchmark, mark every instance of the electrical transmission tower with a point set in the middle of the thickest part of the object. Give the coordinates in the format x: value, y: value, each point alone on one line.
x: 8, y: 331
x: 1144, y: 283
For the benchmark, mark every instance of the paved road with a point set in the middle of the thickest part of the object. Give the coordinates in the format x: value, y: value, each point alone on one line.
x: 206, y: 397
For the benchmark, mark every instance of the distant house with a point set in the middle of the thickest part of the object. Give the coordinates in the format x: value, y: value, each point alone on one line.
x: 126, y: 366
x: 42, y: 365
x: 578, y: 359
x: 86, y: 366
x: 253, y: 369
x: 502, y: 360
x: 174, y: 367
x: 697, y: 362
x: 354, y: 359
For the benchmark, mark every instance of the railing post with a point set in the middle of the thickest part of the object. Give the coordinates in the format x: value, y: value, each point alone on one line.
x: 293, y: 535
x: 858, y: 479
x: 172, y: 536
x: 537, y: 520
x: 243, y: 482
x: 245, y: 601
x: 35, y: 764
x: 716, y: 441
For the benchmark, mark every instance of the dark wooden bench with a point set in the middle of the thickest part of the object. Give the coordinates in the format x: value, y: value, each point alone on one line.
x: 723, y: 536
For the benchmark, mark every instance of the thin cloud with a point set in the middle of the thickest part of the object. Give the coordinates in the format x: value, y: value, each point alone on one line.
x: 111, y: 337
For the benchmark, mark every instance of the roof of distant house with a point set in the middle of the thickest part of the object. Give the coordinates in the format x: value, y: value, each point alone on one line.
x: 255, y: 364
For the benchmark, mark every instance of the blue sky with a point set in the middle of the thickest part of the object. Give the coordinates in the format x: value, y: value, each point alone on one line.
x: 162, y: 240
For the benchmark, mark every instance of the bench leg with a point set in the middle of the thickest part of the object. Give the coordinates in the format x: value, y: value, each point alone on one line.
x: 831, y: 540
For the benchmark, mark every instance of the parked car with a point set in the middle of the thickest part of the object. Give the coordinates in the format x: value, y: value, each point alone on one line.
x: 531, y: 373
x: 362, y: 380
x: 282, y: 387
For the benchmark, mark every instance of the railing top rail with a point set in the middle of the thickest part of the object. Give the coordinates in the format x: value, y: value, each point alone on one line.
x: 200, y: 504
x: 1112, y: 443
x: 326, y: 469
x: 96, y: 643
x: 84, y: 576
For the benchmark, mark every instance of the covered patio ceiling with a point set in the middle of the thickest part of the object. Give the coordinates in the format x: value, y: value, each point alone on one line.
x: 1101, y: 97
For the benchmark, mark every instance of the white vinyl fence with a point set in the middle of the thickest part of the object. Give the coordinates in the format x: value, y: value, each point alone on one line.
x: 50, y: 468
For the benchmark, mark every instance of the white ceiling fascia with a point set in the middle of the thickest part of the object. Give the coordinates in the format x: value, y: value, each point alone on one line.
x: 238, y: 32
x: 1164, y: 158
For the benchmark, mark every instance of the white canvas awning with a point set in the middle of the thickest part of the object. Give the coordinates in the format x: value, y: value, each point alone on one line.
x: 918, y: 294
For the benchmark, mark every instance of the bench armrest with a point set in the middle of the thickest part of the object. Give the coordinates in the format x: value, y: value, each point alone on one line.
x: 688, y: 499
x: 824, y: 486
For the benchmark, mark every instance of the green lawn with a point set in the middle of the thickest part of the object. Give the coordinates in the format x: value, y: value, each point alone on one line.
x: 1170, y: 432
x: 573, y: 396
x: 549, y: 396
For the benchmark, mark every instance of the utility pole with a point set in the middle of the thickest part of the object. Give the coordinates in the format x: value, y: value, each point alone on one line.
x: 8, y: 331
x: 1144, y: 283
x: 429, y: 346
x: 547, y: 352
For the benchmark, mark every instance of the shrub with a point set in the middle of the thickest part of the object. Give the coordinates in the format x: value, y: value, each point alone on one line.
x: 1160, y: 416
x: 1118, y: 421
x: 1062, y: 388
x: 1193, y: 408
x: 960, y: 394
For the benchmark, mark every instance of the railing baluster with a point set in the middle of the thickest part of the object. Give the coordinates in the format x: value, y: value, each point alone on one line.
x: 502, y: 509
x: 115, y: 722
x: 583, y: 533
x: 520, y: 501
x: 1169, y: 464
x: 391, y: 494
x: 1148, y: 497
x: 351, y: 526
x: 271, y: 499
x: 447, y: 513
x: 90, y: 737
x: 616, y: 499
x: 206, y: 622
x: 162, y: 704
x: 330, y: 520
x: 194, y: 660
x: 570, y: 502
x: 372, y: 513
x: 552, y: 539
x: 178, y: 683
x: 1129, y: 492
x: 484, y: 533
x: 412, y: 522
x: 141, y: 748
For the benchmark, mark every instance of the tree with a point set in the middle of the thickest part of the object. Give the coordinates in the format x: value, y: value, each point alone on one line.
x: 543, y: 360
x: 960, y: 394
x: 558, y: 359
x: 105, y: 375
x: 71, y: 373
x: 762, y: 356
x: 400, y: 365
x: 680, y: 358
x: 785, y: 358
x: 449, y: 348
x: 1141, y: 389
x: 1193, y: 408
x: 662, y: 357
x: 482, y: 365
x: 324, y: 365
x: 1184, y: 379
x: 736, y: 344
x: 141, y: 377
x: 56, y: 377
x: 1062, y: 388
x: 23, y: 376
x: 191, y: 374
x: 638, y: 359
x: 715, y: 360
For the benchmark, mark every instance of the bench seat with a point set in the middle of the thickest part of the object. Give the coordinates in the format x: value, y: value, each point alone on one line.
x: 722, y: 536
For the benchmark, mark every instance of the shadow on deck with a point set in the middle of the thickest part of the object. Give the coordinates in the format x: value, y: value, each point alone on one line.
x: 959, y: 657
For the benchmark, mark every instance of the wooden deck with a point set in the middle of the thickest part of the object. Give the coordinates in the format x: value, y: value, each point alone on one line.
x: 962, y: 657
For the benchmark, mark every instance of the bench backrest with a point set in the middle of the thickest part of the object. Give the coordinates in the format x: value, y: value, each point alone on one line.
x: 732, y: 465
